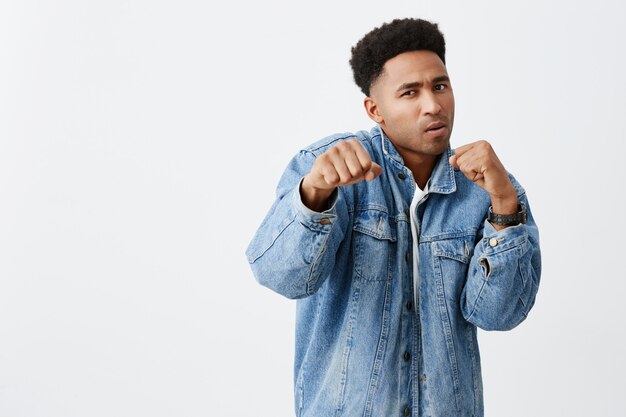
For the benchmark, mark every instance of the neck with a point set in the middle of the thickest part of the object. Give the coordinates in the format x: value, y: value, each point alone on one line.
x: 421, y: 166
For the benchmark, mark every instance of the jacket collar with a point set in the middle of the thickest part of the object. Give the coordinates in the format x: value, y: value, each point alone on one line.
x: 441, y: 180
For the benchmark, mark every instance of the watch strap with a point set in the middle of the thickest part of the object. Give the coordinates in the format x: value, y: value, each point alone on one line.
x: 521, y: 217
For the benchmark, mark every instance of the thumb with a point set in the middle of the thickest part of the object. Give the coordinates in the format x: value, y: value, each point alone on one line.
x: 453, y: 162
x: 374, y: 172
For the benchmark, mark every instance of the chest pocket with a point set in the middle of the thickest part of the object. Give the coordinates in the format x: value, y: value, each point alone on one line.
x: 452, y: 258
x: 373, y: 240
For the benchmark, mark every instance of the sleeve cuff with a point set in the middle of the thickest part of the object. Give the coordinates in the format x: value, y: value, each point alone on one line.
x: 495, y: 241
x: 312, y: 219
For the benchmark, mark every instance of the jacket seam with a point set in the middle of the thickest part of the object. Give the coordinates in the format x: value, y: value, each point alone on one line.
x: 444, y: 316
x: 312, y: 280
x: 380, y: 354
x: 254, y: 257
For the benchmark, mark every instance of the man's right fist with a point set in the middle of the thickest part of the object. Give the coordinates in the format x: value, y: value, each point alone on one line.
x: 346, y: 163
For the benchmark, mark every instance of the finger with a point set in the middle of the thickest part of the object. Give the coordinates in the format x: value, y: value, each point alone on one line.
x: 330, y: 176
x: 373, y: 170
x: 354, y: 165
x: 340, y: 166
x: 477, y: 176
x: 453, y: 161
x: 470, y: 160
x: 473, y: 173
x: 332, y: 166
x: 473, y: 170
x: 463, y: 149
x: 466, y: 163
x: 363, y: 156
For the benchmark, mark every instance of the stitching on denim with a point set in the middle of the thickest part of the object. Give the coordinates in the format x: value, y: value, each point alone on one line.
x: 479, y: 298
x: 475, y: 364
x: 312, y: 279
x: 346, y: 351
x: 263, y: 251
x: 380, y: 353
x: 444, y: 315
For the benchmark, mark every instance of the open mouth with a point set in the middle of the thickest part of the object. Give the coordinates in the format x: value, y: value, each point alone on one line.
x: 436, y: 129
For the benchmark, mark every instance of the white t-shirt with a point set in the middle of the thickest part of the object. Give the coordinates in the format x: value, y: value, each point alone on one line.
x: 418, y: 197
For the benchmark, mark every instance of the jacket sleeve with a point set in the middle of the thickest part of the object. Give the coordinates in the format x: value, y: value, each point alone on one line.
x: 294, y: 249
x: 503, y: 276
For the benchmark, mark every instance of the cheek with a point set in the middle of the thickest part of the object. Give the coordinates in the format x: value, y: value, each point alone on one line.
x: 451, y: 115
x: 402, y: 116
x: 408, y: 112
x: 450, y: 105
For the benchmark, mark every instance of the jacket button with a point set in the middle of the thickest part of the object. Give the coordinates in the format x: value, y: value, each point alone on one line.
x: 401, y: 175
x: 409, y: 306
x: 493, y: 242
x: 324, y: 221
x: 407, y: 356
x: 407, y: 411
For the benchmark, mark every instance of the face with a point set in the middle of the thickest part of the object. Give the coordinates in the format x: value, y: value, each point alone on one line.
x: 413, y: 102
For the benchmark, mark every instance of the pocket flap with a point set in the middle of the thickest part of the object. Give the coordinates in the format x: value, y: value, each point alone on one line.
x: 375, y: 223
x: 457, y: 249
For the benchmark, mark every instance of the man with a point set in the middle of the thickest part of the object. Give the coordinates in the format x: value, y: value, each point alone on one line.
x: 396, y: 248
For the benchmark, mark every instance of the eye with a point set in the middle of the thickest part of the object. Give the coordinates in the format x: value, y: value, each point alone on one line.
x: 408, y: 93
x: 440, y: 87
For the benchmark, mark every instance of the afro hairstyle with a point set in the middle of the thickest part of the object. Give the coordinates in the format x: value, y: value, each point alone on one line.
x: 389, y: 40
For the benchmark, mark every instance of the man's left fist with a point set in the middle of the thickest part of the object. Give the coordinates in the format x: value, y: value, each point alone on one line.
x: 478, y: 162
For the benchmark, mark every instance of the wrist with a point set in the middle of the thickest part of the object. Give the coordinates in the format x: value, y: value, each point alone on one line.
x: 314, y: 198
x: 505, y: 203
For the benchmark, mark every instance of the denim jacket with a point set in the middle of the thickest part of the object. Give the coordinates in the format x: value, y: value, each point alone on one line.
x: 363, y: 347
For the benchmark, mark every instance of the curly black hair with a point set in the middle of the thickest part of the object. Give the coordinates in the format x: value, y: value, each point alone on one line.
x: 389, y: 40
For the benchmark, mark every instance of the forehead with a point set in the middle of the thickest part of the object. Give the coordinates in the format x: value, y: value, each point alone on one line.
x: 413, y: 66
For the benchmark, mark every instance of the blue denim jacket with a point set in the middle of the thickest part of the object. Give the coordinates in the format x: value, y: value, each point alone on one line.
x: 362, y: 347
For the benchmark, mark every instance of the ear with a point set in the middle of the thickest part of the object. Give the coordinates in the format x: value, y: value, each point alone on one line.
x: 372, y: 110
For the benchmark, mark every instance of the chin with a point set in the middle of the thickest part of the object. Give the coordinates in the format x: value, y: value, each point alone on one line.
x: 436, y: 147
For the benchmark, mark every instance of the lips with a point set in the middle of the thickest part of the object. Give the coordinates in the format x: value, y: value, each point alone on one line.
x: 436, y: 130
x: 435, y: 126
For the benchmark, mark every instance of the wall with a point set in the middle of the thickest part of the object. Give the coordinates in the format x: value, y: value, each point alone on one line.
x: 140, y: 144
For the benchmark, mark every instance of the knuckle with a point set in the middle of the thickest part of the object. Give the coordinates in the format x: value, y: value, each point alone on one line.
x: 358, y: 172
x: 324, y: 159
x: 356, y: 145
x: 332, y: 177
x: 344, y: 178
x: 342, y: 146
x: 332, y: 151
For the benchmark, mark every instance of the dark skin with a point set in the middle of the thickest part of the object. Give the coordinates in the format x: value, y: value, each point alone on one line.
x: 413, y: 102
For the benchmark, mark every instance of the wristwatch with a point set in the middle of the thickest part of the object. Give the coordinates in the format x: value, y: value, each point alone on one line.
x: 521, y: 217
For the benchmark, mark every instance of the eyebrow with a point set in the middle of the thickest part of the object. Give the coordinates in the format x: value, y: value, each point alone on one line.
x: 415, y: 84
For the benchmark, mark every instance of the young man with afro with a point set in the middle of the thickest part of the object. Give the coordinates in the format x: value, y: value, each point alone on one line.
x: 396, y: 247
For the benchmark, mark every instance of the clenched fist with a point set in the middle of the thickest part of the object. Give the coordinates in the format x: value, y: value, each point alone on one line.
x: 346, y: 163
x: 478, y: 162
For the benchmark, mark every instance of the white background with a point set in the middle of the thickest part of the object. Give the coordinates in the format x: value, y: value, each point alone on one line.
x: 140, y: 145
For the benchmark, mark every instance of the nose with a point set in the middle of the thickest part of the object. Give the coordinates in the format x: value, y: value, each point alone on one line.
x: 430, y: 103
